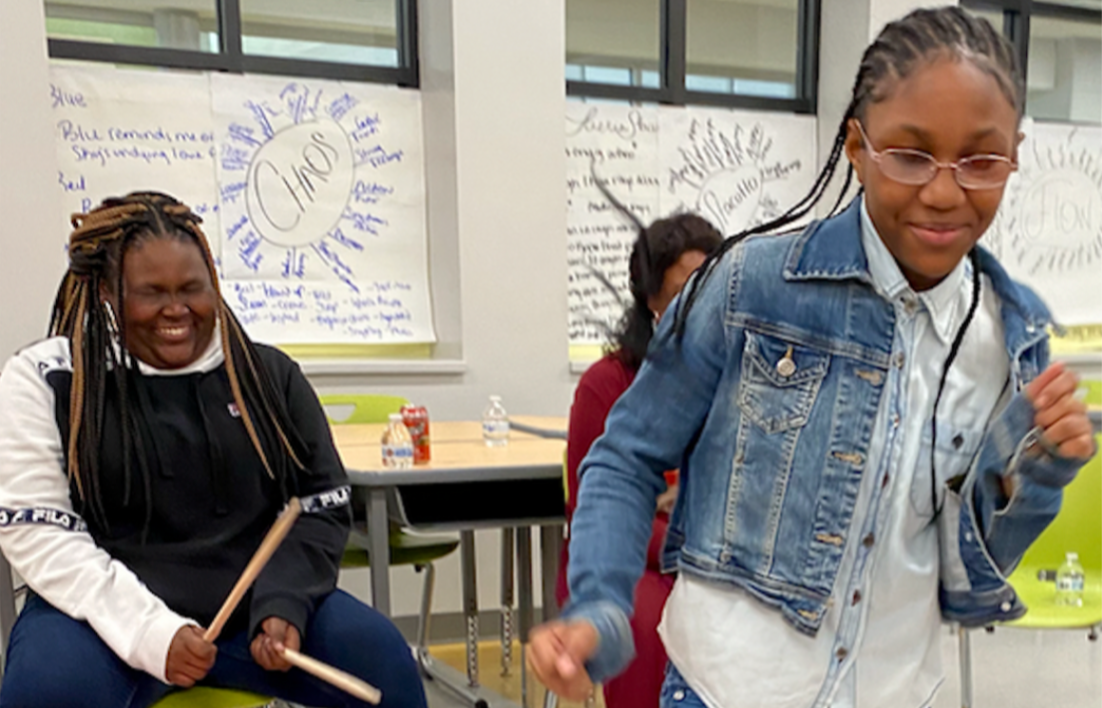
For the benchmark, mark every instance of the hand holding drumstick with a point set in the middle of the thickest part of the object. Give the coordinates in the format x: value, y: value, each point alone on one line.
x: 277, y: 647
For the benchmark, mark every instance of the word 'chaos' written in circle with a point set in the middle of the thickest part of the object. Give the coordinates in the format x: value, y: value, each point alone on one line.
x: 1067, y: 203
x: 299, y: 183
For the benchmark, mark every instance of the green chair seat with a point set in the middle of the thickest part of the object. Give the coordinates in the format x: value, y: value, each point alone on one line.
x: 1040, y: 597
x: 405, y: 549
x: 203, y: 697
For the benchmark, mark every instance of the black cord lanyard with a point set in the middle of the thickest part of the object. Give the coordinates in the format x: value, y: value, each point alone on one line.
x: 953, y: 350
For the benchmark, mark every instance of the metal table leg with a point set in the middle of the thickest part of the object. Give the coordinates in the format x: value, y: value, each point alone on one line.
x: 965, y: 650
x: 551, y: 540
x: 507, y: 538
x: 470, y: 603
x: 524, y: 605
x: 378, y: 532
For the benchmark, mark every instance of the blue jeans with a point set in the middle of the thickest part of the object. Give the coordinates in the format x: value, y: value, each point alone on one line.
x: 55, y: 661
x: 676, y: 692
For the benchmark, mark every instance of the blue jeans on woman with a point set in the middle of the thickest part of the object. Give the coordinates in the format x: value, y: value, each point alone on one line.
x: 55, y: 661
x: 676, y: 692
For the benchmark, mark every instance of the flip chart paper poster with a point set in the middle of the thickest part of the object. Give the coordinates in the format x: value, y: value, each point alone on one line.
x: 1048, y: 233
x: 119, y: 131
x: 619, y: 145
x: 735, y: 168
x: 323, y: 209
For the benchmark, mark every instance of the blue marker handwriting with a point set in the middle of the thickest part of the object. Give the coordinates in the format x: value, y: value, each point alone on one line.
x: 243, y: 134
x: 366, y: 126
x: 71, y: 184
x: 60, y: 98
x: 260, y: 114
x: 337, y: 235
x: 230, y: 192
x: 294, y: 264
x: 342, y: 105
x: 369, y: 192
x: 235, y: 159
x: 376, y: 156
x: 364, y: 222
x: 237, y: 226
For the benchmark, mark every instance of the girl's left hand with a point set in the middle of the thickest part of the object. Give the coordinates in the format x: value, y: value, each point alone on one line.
x: 267, y: 647
x: 1062, y: 418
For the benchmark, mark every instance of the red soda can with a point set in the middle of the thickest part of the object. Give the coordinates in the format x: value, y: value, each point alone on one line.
x: 416, y: 419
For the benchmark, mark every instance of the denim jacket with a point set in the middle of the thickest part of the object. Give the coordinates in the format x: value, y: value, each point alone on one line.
x: 772, y: 455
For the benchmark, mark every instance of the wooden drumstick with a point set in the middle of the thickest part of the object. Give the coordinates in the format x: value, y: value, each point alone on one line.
x: 267, y: 547
x: 344, y: 681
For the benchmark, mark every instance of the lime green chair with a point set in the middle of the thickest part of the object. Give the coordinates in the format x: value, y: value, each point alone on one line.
x: 202, y: 697
x: 1078, y: 528
x: 360, y: 409
x: 418, y: 550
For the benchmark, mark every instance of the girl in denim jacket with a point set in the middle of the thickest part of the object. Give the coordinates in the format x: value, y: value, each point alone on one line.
x: 867, y: 425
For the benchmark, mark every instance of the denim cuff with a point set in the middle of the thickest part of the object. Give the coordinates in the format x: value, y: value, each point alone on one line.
x: 616, y: 647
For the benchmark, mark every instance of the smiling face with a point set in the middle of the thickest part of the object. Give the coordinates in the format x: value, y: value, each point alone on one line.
x: 951, y: 109
x: 169, y: 302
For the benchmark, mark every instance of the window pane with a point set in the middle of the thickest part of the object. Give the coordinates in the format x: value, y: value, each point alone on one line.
x: 345, y: 31
x: 1064, y: 82
x: 754, y: 42
x: 614, y: 41
x: 1085, y: 4
x: 177, y: 24
x: 988, y: 12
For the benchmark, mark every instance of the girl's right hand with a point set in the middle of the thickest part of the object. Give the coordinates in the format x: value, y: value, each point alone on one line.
x: 557, y: 652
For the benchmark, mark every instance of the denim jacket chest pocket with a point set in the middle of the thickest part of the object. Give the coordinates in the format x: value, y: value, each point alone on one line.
x: 778, y: 387
x: 779, y: 382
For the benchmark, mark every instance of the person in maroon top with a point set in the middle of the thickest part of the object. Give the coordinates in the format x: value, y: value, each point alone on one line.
x: 665, y: 254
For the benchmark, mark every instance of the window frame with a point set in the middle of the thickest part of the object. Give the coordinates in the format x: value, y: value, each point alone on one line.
x: 673, y: 50
x: 230, y: 57
x: 1017, y: 15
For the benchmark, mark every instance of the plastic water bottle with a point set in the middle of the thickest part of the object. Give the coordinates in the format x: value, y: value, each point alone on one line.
x: 1069, y: 582
x: 495, y: 424
x: 397, y: 444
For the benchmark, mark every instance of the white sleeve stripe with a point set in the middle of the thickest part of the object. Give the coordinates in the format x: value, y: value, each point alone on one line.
x: 41, y: 515
x: 329, y: 499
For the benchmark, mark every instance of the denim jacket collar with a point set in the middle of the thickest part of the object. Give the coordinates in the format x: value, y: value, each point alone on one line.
x: 831, y: 249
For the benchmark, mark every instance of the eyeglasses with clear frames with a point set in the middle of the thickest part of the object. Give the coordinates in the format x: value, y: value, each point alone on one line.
x: 915, y: 167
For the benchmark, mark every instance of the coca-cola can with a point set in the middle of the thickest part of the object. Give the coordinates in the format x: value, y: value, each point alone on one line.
x: 416, y: 419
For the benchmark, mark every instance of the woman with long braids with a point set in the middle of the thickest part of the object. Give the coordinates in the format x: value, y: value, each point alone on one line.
x: 868, y: 428
x: 146, y: 448
x: 662, y: 258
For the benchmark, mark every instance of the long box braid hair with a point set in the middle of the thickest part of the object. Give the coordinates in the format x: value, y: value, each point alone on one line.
x: 97, y: 247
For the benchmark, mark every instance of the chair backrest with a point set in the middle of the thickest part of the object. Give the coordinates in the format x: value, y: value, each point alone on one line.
x: 1078, y: 526
x: 360, y: 408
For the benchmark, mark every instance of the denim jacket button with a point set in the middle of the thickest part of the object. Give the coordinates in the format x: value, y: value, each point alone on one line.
x: 786, y: 367
x: 679, y: 695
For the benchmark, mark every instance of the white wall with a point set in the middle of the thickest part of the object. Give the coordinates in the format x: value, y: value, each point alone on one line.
x: 33, y: 260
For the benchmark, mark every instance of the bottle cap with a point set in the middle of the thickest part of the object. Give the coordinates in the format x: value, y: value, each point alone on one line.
x: 395, y: 417
x: 1073, y: 556
x: 495, y: 398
